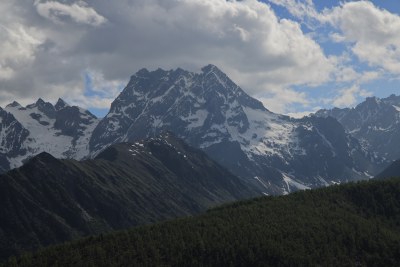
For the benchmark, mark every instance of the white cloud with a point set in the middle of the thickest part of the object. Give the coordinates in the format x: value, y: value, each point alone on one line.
x: 348, y: 96
x: 246, y: 39
x: 301, y: 114
x: 108, y: 88
x: 103, y: 91
x: 17, y: 48
x: 372, y: 32
x: 89, y: 102
x: 79, y: 12
x: 280, y: 99
x: 346, y: 73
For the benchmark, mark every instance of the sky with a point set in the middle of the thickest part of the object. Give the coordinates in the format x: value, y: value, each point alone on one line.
x: 294, y: 56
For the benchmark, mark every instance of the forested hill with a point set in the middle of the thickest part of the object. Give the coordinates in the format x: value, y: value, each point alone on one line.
x: 48, y: 201
x: 393, y: 170
x: 356, y: 224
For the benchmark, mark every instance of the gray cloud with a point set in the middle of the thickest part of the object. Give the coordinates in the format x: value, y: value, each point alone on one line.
x: 79, y: 12
x: 66, y: 40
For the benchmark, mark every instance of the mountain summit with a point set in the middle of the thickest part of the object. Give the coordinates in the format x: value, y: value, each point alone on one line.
x: 208, y: 110
x: 375, y: 122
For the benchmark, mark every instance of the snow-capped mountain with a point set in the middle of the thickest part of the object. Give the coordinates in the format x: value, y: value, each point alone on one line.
x: 61, y: 130
x: 374, y: 122
x: 276, y: 153
x: 209, y: 111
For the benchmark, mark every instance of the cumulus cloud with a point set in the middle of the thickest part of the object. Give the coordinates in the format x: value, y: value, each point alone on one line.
x: 99, y: 92
x: 348, y: 96
x: 53, y: 48
x: 242, y: 36
x: 246, y: 39
x: 280, y: 98
x: 79, y: 12
x: 346, y: 73
x: 17, y: 48
x: 373, y: 33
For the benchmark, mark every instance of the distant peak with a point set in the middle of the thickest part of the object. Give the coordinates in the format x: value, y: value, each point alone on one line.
x: 60, y: 104
x: 40, y: 102
x: 45, y: 155
x: 210, y: 68
x: 392, y: 99
x: 372, y: 99
x: 13, y: 104
x: 43, y: 158
x: 142, y: 72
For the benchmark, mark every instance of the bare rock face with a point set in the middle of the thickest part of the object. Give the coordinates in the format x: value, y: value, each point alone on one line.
x: 374, y: 122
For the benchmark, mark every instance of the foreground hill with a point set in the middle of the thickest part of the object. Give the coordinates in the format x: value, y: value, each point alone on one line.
x: 346, y: 225
x: 49, y: 201
x: 393, y: 170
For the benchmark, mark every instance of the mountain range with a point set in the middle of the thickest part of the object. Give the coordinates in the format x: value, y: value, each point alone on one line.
x: 61, y: 130
x: 273, y: 153
x: 374, y: 122
x: 173, y: 144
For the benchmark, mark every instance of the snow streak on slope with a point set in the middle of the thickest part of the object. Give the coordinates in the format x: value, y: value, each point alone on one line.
x: 291, y: 184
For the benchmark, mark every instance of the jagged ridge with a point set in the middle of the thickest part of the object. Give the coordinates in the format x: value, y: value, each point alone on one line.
x: 209, y: 111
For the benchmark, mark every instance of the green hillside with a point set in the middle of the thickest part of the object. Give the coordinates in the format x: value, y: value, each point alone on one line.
x: 347, y: 225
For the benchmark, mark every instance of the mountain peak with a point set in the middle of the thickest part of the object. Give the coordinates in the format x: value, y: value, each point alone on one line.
x: 40, y: 101
x: 60, y: 104
x: 372, y: 99
x: 392, y: 100
x: 14, y: 104
x: 43, y: 158
x: 142, y: 72
x: 210, y: 68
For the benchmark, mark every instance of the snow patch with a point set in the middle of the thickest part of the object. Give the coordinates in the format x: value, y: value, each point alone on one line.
x: 197, y: 119
x: 261, y: 182
x: 397, y: 108
x: 290, y: 182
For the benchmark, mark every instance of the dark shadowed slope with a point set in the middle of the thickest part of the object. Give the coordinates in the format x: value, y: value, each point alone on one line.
x: 49, y: 200
x: 393, y: 170
x: 347, y: 225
